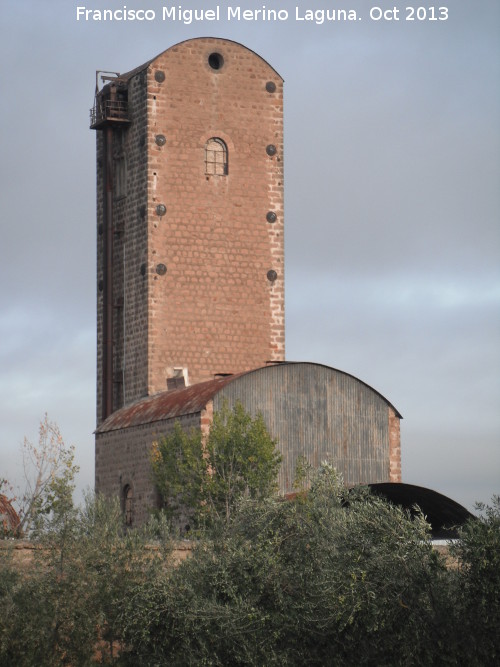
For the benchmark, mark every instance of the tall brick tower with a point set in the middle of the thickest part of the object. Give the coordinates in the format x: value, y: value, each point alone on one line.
x: 190, y: 220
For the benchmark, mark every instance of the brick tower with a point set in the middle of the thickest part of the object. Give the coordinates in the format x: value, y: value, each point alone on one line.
x: 190, y: 220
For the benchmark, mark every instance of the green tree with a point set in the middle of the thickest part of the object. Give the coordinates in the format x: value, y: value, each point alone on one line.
x: 67, y: 607
x: 330, y: 577
x: 476, y: 591
x: 179, y: 469
x: 239, y: 458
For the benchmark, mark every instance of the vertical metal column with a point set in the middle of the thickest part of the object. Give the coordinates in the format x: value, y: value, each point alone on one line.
x: 107, y: 315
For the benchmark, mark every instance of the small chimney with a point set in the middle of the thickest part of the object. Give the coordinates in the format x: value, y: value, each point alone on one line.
x: 178, y: 379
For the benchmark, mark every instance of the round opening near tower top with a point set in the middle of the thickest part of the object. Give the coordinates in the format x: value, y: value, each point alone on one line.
x: 215, y: 60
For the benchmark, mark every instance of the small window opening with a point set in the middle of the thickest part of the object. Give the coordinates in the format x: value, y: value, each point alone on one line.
x: 215, y: 60
x: 216, y: 157
x: 128, y: 509
x: 120, y: 177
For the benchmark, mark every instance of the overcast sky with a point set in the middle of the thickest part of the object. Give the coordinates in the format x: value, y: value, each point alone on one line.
x: 392, y: 174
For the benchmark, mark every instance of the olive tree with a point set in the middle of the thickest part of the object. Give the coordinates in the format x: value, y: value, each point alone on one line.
x: 328, y: 577
x: 476, y: 593
x: 68, y: 605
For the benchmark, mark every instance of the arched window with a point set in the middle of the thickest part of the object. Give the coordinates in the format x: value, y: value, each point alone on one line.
x: 216, y: 157
x: 128, y: 509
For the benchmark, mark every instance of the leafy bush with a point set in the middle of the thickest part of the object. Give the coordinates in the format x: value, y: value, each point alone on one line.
x: 67, y: 606
x: 329, y: 577
x: 205, y: 479
x: 477, y: 588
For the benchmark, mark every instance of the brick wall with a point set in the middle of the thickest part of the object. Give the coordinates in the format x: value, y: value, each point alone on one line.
x: 215, y: 310
x: 122, y: 458
x: 99, y: 268
x: 130, y: 243
x: 311, y: 410
x: 394, y: 446
x: 131, y: 332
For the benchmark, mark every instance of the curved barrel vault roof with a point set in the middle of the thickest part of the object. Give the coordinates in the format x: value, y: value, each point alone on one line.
x: 185, y: 44
x: 444, y: 514
x: 193, y: 399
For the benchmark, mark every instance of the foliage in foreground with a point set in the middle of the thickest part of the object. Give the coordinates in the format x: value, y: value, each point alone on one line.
x: 207, y: 478
x: 66, y: 607
x: 322, y: 579
x: 329, y: 578
x: 49, y: 472
x: 477, y: 594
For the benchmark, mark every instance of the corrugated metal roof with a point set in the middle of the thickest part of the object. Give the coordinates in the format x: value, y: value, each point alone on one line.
x: 176, y: 403
x: 128, y: 75
x: 320, y: 413
x: 165, y: 405
x: 444, y: 514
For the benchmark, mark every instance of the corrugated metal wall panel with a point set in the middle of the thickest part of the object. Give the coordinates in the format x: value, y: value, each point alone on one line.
x: 319, y: 413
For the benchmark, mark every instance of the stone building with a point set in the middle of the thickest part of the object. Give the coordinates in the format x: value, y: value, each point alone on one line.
x: 311, y: 410
x: 190, y: 273
x: 190, y: 220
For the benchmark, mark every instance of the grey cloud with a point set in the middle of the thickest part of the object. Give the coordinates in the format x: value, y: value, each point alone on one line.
x: 392, y: 163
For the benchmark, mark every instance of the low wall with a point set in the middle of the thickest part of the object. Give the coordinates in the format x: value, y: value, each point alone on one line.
x: 23, y: 551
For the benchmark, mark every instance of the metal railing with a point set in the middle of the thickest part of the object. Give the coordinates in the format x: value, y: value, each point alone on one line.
x: 108, y: 110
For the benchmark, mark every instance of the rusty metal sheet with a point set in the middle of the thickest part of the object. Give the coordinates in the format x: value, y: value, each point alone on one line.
x: 312, y: 410
x: 165, y: 405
